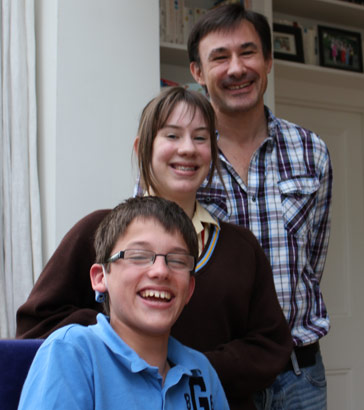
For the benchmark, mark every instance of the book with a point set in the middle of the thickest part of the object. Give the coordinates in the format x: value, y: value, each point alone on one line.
x: 188, y: 22
x: 309, y: 38
x: 162, y: 20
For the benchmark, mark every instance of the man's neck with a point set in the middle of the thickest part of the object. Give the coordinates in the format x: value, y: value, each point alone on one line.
x: 240, y: 135
x: 242, y: 129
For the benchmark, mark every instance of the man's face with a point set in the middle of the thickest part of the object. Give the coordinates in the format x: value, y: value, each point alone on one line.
x: 147, y: 300
x: 233, y: 69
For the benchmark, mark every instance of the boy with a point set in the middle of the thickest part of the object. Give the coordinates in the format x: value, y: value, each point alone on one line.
x: 146, y: 250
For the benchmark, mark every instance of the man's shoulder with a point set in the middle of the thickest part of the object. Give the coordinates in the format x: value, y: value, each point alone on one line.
x: 300, y: 151
x: 290, y: 132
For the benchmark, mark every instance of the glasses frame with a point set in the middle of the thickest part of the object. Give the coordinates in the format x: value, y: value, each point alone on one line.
x: 121, y: 254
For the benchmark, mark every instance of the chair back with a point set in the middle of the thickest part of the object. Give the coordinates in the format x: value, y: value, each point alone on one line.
x: 15, y: 359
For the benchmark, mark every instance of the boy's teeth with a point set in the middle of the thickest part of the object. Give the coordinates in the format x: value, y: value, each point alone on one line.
x: 156, y: 294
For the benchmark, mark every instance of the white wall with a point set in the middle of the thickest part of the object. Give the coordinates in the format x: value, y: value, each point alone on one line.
x: 98, y: 64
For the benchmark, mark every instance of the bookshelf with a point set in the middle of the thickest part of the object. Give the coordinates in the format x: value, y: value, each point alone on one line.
x: 336, y: 13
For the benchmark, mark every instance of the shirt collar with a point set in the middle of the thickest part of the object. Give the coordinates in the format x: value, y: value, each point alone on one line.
x: 180, y: 356
x: 201, y: 217
x: 272, y: 124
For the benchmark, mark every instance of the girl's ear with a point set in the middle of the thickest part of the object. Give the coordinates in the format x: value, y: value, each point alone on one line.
x: 136, y: 145
x: 97, y: 278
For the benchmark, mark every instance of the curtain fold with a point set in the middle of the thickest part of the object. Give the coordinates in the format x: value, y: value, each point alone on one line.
x: 20, y: 234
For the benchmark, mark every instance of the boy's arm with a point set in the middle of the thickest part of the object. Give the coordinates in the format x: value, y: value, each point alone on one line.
x: 63, y: 292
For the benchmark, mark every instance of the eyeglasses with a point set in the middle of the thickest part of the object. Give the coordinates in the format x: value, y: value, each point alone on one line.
x: 143, y: 258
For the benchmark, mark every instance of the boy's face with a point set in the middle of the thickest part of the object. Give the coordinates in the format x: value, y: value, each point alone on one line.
x: 133, y: 309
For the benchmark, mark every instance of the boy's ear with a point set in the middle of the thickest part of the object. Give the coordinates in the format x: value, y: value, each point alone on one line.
x: 136, y: 145
x: 97, y: 278
x: 197, y: 73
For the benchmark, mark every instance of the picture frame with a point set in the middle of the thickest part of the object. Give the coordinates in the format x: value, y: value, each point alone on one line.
x: 340, y: 49
x: 287, y: 43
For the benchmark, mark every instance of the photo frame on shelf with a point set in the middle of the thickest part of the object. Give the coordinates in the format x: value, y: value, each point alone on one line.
x: 287, y: 42
x: 341, y: 49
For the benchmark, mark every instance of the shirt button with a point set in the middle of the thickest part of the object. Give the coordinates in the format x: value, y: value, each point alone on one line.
x: 254, y: 198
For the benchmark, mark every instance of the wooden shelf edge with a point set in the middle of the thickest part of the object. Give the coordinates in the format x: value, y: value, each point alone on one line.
x: 317, y: 74
x: 332, y: 11
x: 175, y: 54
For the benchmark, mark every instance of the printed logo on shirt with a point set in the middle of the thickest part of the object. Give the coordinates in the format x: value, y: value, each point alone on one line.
x: 197, y: 399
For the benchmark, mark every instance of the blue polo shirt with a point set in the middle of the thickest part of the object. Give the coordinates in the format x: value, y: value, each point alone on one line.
x: 91, y: 368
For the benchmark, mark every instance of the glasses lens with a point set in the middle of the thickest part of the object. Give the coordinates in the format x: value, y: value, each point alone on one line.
x: 139, y: 257
x: 180, y: 261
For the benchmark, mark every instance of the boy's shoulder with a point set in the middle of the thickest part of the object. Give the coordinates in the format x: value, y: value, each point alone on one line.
x: 76, y: 334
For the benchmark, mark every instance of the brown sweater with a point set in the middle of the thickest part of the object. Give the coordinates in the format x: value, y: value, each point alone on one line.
x: 233, y: 317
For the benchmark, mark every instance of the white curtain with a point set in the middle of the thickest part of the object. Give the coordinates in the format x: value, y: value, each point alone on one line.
x: 20, y: 227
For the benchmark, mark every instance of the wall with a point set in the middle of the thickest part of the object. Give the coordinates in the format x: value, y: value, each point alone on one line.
x: 97, y: 65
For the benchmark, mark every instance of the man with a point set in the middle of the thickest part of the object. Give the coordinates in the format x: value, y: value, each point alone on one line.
x: 146, y: 251
x: 279, y: 179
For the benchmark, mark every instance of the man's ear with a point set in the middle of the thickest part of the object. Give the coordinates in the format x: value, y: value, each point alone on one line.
x: 136, y: 145
x: 269, y: 63
x: 97, y: 278
x: 197, y: 73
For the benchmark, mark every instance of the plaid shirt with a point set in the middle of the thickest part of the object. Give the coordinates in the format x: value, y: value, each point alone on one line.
x: 286, y: 204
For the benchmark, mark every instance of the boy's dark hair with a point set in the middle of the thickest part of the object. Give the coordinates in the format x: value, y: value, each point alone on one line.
x: 167, y: 213
x: 227, y: 18
x: 155, y: 115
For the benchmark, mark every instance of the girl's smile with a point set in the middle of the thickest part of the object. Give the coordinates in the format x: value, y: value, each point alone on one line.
x: 181, y: 155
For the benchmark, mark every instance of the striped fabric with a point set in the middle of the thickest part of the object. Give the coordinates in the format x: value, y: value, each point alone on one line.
x: 286, y: 204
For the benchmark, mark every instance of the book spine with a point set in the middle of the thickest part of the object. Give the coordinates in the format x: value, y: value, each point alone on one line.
x: 162, y: 20
x: 178, y: 9
x: 309, y: 38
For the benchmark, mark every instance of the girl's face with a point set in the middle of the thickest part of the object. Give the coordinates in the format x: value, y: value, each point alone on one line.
x: 181, y: 154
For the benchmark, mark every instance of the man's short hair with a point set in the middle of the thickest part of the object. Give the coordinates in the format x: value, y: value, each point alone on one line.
x: 227, y: 18
x: 170, y: 215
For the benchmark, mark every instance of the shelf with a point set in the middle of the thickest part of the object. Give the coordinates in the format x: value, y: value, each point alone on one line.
x: 175, y: 54
x: 331, y: 11
x: 317, y: 74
